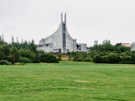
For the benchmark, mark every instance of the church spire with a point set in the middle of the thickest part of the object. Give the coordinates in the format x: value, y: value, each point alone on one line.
x: 61, y: 17
x: 65, y: 19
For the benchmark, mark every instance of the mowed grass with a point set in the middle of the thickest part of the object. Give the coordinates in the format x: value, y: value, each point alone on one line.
x: 67, y: 81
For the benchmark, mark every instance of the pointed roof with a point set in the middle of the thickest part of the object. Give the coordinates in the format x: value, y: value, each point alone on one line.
x: 63, y: 18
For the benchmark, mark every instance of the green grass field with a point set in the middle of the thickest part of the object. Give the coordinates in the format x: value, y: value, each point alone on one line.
x: 67, y: 81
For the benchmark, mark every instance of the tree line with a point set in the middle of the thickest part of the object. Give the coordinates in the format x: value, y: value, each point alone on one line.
x: 105, y: 53
x: 27, y: 52
x: 23, y: 52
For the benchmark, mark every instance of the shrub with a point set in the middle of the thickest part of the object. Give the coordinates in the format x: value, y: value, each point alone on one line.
x: 5, y: 62
x: 2, y: 55
x: 4, y: 52
x: 14, y: 55
x: 49, y: 58
x: 87, y: 59
x: 77, y: 58
x: 112, y: 58
x: 27, y: 53
x: 80, y: 56
x: 126, y: 60
x: 133, y: 57
x: 109, y: 58
x: 37, y: 59
x: 98, y: 59
x: 25, y: 60
x: 59, y: 57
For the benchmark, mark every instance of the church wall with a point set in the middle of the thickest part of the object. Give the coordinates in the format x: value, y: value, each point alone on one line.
x: 70, y: 43
x: 54, y: 41
x: 83, y: 47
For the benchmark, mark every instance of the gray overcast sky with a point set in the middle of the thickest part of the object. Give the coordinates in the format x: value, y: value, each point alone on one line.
x: 88, y: 20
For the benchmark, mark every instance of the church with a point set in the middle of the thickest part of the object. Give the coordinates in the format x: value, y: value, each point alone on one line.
x: 61, y: 41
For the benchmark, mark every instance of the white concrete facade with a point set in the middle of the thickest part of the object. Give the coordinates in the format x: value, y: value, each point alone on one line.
x: 61, y: 41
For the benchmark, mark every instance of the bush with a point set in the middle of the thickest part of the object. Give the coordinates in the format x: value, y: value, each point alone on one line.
x: 4, y: 52
x: 77, y: 58
x: 27, y: 53
x: 109, y: 58
x: 36, y: 60
x: 14, y: 55
x: 98, y: 59
x: 126, y: 60
x: 59, y: 57
x: 87, y: 59
x: 133, y: 57
x: 112, y: 58
x: 25, y: 60
x: 48, y: 58
x: 5, y: 62
x: 80, y: 56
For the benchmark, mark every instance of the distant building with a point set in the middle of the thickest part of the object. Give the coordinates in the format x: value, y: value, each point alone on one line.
x: 125, y: 44
x: 61, y: 41
x: 132, y: 47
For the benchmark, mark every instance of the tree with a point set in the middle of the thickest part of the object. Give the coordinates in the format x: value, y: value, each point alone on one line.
x: 14, y: 55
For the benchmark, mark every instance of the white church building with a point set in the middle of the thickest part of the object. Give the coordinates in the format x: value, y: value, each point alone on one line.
x: 61, y: 41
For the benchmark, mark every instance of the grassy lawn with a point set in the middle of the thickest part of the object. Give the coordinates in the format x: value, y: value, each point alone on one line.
x: 67, y: 81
